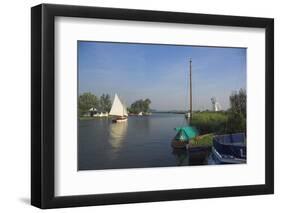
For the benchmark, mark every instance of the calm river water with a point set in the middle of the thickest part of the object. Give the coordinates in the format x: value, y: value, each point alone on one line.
x: 143, y: 141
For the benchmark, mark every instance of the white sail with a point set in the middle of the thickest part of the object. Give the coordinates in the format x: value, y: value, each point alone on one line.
x: 118, y: 108
x: 125, y: 109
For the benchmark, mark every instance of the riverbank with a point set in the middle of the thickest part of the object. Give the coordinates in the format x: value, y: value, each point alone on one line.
x: 209, y: 122
x: 226, y: 122
x: 202, y: 141
x: 109, y: 116
x: 85, y: 118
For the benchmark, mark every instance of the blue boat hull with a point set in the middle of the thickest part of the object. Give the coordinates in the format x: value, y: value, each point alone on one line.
x: 229, y: 149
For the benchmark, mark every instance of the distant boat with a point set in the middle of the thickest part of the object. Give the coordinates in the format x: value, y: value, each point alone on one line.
x: 101, y: 114
x: 119, y: 110
x: 188, y: 115
x: 105, y: 114
x: 229, y: 148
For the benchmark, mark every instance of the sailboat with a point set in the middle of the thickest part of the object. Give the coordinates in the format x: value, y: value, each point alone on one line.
x: 183, y: 136
x: 185, y: 133
x: 119, y: 110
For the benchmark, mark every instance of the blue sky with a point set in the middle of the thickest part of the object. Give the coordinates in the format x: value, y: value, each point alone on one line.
x: 160, y: 73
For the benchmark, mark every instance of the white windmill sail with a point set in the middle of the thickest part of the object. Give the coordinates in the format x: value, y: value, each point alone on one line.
x: 118, y: 109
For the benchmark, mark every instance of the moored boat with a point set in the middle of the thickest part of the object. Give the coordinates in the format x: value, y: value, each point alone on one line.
x: 184, y: 134
x: 100, y: 114
x: 230, y: 148
x: 188, y: 115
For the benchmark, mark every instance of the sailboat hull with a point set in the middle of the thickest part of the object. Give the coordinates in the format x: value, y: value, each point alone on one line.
x: 179, y: 144
x: 120, y: 119
x: 187, y: 115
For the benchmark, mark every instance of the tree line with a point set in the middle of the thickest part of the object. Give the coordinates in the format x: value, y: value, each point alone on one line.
x: 88, y: 100
x: 140, y: 106
x: 237, y: 112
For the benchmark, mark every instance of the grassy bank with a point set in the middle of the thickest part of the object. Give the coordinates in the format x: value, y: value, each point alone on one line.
x: 210, y: 122
x: 202, y: 141
x: 85, y: 118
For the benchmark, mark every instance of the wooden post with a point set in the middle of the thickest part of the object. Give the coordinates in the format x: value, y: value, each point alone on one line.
x: 190, y: 88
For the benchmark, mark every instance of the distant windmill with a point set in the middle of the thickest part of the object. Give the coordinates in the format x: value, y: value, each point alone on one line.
x: 215, y: 104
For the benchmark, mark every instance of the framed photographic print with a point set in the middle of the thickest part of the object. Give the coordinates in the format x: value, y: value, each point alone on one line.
x: 140, y: 106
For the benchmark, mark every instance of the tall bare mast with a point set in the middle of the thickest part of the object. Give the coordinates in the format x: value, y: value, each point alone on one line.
x: 190, y: 87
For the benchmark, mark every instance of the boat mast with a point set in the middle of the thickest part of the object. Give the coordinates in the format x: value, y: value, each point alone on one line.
x: 122, y: 107
x: 190, y: 87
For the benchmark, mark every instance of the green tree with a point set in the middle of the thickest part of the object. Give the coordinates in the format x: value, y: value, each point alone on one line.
x: 136, y: 107
x: 237, y: 112
x: 140, y: 106
x: 238, y: 102
x: 146, y: 104
x: 236, y: 123
x: 105, y: 103
x: 86, y: 101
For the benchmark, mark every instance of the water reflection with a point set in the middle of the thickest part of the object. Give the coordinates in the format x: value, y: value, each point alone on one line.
x: 181, y: 156
x: 198, y: 156
x: 117, y: 133
x: 192, y: 156
x: 141, y: 142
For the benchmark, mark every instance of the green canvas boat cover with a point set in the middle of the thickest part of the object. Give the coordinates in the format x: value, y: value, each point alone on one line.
x: 186, y: 133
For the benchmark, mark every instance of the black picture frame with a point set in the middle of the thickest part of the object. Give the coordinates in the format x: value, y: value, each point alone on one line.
x: 43, y: 117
